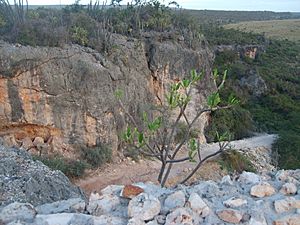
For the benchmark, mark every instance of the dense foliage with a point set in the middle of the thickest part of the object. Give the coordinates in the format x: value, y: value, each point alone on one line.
x: 275, y: 111
x: 92, y: 25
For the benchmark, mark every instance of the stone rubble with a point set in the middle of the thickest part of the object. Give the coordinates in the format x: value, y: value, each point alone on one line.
x: 239, y: 201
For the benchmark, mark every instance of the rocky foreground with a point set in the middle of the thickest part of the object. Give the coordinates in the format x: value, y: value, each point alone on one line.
x: 247, y: 199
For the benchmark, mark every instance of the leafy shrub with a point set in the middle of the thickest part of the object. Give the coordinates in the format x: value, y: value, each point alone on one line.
x: 236, y: 121
x: 234, y: 161
x: 96, y: 156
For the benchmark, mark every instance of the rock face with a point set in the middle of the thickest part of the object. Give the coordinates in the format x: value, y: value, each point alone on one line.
x: 28, y: 181
x: 65, y: 96
x: 206, y: 202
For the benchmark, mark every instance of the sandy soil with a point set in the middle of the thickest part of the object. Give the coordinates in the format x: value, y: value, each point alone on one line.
x: 127, y: 171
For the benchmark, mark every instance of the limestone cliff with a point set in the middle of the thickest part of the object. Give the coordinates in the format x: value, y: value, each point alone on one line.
x: 66, y: 95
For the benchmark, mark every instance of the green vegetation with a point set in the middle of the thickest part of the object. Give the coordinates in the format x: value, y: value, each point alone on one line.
x: 277, y: 29
x: 92, y: 25
x: 96, y: 156
x: 235, y: 162
x: 275, y: 111
x: 91, y: 157
x: 71, y: 168
x: 236, y: 121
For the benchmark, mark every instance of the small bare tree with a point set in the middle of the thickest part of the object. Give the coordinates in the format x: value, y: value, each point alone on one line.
x: 156, y: 136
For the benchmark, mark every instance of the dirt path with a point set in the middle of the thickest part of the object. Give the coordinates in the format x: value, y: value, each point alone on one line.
x: 127, y: 171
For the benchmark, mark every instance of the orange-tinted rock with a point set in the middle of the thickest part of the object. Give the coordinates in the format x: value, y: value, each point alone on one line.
x: 230, y: 215
x: 262, y: 190
x: 130, y: 191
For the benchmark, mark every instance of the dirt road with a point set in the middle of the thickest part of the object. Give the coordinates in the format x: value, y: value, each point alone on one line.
x: 128, y: 171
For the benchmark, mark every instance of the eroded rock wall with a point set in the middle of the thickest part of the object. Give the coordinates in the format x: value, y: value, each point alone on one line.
x: 66, y: 95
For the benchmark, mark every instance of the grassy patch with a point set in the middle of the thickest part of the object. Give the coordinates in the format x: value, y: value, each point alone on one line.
x: 278, y: 29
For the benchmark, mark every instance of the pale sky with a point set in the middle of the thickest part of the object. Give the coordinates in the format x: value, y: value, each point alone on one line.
x: 250, y: 5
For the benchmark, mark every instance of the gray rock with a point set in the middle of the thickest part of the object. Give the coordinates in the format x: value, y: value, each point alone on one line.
x: 174, y: 200
x: 136, y: 221
x: 73, y: 205
x: 26, y: 180
x: 63, y: 219
x: 254, y: 220
x: 16, y: 211
x: 144, y: 207
x: 235, y: 202
x: 112, y: 190
x: 226, y: 180
x: 249, y: 178
x: 153, y: 222
x: 160, y: 219
x: 289, y: 189
x: 111, y: 220
x: 105, y: 205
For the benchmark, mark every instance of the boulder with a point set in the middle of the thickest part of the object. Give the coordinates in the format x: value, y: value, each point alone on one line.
x: 230, y: 215
x: 180, y: 216
x: 249, y: 178
x: 73, y: 205
x: 235, y: 202
x: 196, y: 203
x: 144, y: 207
x: 174, y: 200
x: 104, y: 205
x: 288, y: 189
x: 262, y: 190
x: 18, y: 211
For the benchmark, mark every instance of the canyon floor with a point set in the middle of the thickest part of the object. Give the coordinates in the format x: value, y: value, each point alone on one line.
x: 127, y: 171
